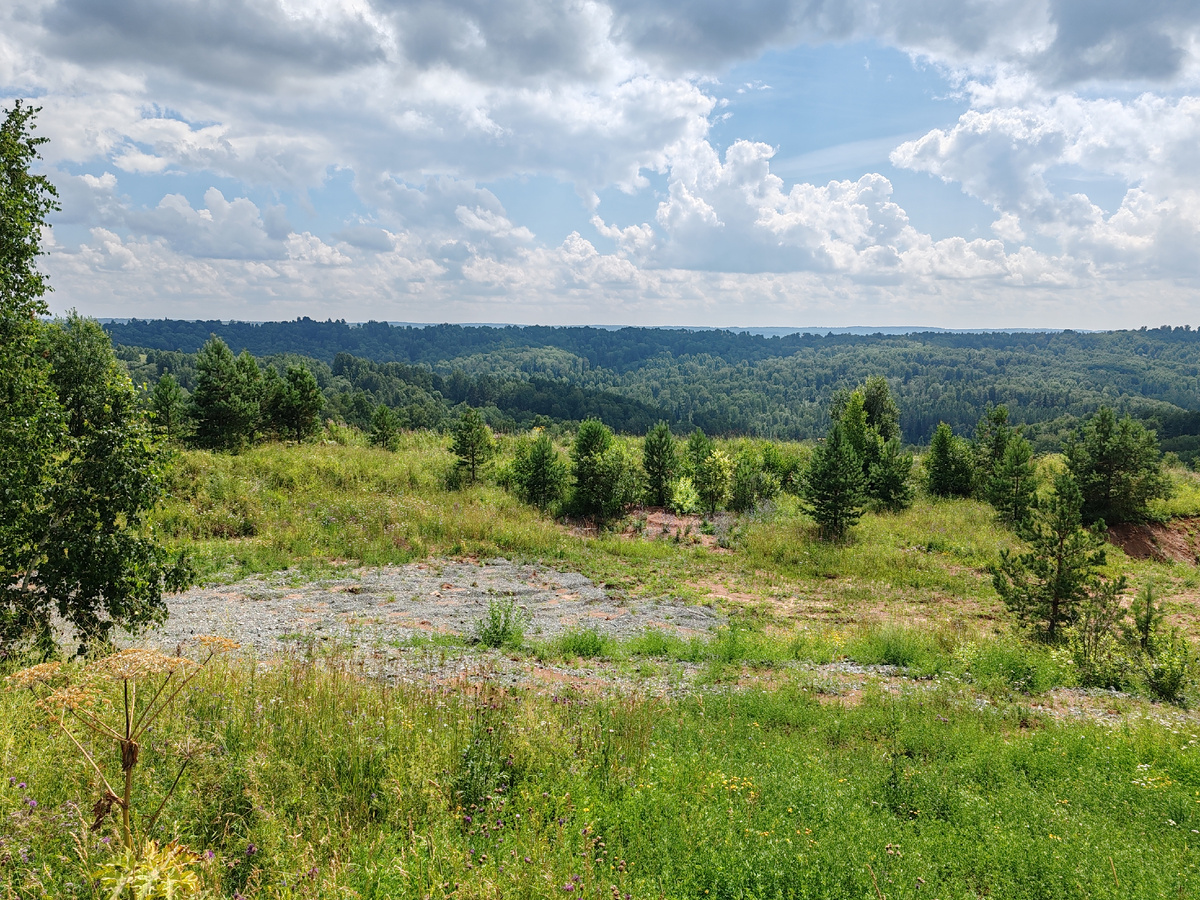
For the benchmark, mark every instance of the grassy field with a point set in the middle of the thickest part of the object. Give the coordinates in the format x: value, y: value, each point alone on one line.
x: 966, y: 772
x: 313, y: 782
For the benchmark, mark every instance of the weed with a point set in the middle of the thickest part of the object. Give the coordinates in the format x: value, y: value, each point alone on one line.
x: 503, y: 626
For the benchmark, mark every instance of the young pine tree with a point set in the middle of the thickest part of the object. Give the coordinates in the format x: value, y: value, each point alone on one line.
x: 1013, y: 485
x: 292, y: 404
x: 385, y: 427
x: 699, y: 445
x: 167, y: 406
x: 473, y: 443
x: 948, y: 464
x: 225, y: 404
x: 834, y: 485
x: 1045, y: 586
x: 1118, y: 466
x: 660, y: 462
x: 605, y: 481
x: 539, y: 473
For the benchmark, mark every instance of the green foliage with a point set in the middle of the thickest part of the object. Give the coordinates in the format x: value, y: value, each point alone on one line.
x: 96, y: 563
x: 292, y: 405
x: 699, y: 446
x: 225, y: 404
x: 31, y: 427
x: 503, y: 626
x: 725, y: 383
x: 834, y: 485
x: 887, y: 470
x: 603, y: 474
x: 1045, y: 586
x: 1012, y: 488
x: 167, y: 406
x: 684, y: 500
x: 992, y: 435
x: 784, y: 466
x: 473, y: 443
x: 752, y: 483
x: 948, y: 464
x: 78, y: 467
x: 539, y: 474
x: 660, y: 462
x: 26, y: 200
x: 1118, y: 467
x: 385, y: 428
x: 713, y: 478
x: 889, y: 475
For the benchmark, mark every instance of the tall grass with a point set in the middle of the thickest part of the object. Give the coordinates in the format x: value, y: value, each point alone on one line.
x: 310, y: 781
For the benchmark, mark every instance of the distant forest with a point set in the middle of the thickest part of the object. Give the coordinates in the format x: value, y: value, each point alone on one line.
x: 724, y: 382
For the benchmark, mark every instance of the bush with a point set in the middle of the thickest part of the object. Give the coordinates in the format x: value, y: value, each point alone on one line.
x: 684, y: 501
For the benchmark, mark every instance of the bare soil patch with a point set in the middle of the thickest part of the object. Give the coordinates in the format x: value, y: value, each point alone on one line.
x: 1177, y: 540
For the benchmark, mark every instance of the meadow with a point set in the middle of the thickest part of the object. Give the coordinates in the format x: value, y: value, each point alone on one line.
x: 970, y: 767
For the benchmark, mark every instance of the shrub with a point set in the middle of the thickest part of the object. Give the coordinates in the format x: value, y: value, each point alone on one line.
x: 684, y: 500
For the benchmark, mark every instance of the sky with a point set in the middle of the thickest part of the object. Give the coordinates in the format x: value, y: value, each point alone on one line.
x: 949, y: 163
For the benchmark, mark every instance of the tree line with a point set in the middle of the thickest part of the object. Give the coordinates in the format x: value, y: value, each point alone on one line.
x: 745, y: 384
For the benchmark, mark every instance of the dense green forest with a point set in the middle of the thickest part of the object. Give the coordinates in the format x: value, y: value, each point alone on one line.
x: 724, y: 382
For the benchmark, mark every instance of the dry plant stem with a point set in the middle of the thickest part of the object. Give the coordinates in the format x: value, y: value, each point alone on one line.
x: 1113, y: 866
x: 128, y: 760
x: 86, y: 756
x: 878, y: 892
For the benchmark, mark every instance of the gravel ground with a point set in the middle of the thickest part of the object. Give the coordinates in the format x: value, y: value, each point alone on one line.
x: 374, y: 608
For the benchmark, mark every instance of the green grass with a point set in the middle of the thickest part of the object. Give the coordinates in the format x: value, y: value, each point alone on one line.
x: 310, y: 782
x: 1184, y: 499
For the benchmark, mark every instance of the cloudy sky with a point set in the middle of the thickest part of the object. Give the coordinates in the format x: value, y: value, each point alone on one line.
x: 959, y: 163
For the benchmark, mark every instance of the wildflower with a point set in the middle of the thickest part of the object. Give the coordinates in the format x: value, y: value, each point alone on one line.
x: 216, y: 644
x: 34, y: 675
x: 251, y: 849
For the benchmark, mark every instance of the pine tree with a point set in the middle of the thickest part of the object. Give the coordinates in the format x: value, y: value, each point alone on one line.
x: 605, y: 480
x: 385, y: 427
x: 948, y: 464
x: 699, y: 445
x: 539, y: 473
x: 1013, y: 485
x: 660, y: 462
x: 473, y: 443
x: 992, y: 435
x: 1045, y: 586
x: 1118, y: 466
x: 292, y: 404
x: 167, y: 406
x: 833, y: 485
x: 225, y: 404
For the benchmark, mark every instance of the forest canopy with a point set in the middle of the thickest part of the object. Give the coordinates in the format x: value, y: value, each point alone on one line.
x: 721, y: 381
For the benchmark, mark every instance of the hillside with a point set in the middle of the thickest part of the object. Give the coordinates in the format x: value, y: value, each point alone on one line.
x: 730, y: 383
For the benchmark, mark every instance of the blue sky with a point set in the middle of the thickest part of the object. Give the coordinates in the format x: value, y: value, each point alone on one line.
x: 977, y: 163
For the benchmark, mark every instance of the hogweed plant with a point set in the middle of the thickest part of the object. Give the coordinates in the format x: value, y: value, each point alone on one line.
x: 145, y: 683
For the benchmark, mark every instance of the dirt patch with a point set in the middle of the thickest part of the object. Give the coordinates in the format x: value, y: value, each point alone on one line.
x: 1176, y: 541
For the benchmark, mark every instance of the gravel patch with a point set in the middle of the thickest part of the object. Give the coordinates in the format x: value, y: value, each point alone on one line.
x: 376, y: 608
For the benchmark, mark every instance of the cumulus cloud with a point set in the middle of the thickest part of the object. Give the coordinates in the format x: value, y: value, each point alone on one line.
x: 420, y: 102
x: 1007, y: 157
